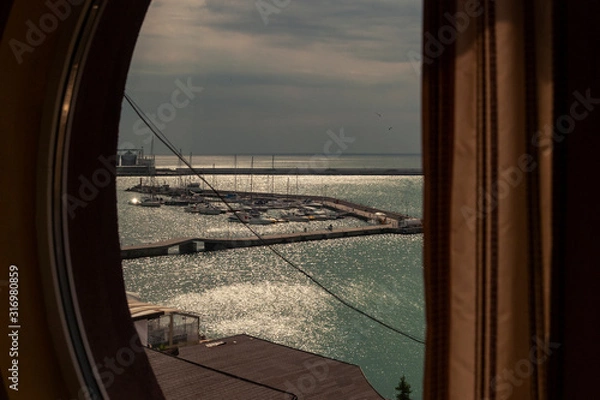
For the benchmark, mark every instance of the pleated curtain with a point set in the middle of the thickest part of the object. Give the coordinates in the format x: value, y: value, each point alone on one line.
x: 487, y: 142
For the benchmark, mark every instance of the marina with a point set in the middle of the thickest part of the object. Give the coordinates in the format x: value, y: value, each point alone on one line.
x: 266, y: 200
x: 244, y: 208
x: 248, y: 290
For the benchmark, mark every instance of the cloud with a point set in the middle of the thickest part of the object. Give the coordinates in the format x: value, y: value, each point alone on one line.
x: 317, y: 65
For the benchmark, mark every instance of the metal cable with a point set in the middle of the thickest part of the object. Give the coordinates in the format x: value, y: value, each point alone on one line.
x: 164, y: 140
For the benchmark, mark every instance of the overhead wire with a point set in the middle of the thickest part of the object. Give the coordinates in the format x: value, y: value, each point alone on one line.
x: 164, y: 140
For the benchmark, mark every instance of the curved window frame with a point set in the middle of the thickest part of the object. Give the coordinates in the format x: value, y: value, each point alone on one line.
x: 65, y: 96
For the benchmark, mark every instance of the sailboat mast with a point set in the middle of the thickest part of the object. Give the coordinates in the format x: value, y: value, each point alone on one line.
x: 251, y: 175
x: 214, y: 178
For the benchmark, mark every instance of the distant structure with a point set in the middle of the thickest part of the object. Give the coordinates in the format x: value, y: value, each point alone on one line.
x: 133, y: 162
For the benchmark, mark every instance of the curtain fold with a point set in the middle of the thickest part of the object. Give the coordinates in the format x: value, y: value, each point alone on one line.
x: 487, y: 139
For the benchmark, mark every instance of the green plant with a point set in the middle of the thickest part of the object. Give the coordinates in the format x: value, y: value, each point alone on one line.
x: 403, y: 389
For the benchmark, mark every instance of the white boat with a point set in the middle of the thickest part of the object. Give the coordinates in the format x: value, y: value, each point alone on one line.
x: 204, y: 209
x: 150, y: 202
x: 177, y: 201
x: 380, y: 219
x: 277, y: 205
x: 320, y: 214
x: 295, y: 217
x: 145, y: 202
x: 242, y: 216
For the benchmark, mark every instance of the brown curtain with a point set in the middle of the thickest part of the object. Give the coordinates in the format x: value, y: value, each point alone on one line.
x: 488, y: 141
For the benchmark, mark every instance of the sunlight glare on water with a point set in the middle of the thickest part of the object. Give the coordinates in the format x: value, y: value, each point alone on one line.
x: 252, y: 291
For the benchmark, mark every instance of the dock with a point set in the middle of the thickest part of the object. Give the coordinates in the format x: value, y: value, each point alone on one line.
x: 190, y: 245
x: 162, y: 248
x: 268, y: 240
x: 360, y: 211
x: 386, y: 222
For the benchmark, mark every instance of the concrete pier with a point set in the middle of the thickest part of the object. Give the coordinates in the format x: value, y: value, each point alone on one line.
x: 222, y: 244
x: 184, y: 246
x: 189, y: 245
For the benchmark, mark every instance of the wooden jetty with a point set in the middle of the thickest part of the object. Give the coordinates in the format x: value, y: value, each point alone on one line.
x: 190, y: 245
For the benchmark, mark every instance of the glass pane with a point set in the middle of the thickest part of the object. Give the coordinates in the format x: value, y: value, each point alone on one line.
x: 300, y: 99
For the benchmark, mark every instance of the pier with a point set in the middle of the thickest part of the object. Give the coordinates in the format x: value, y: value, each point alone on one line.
x: 385, y: 222
x: 190, y: 245
x: 162, y: 248
x: 360, y: 211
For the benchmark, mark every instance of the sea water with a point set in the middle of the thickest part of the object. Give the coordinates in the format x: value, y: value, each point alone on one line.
x: 253, y: 291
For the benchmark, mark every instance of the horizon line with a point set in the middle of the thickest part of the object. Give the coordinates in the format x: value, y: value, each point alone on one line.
x: 290, y: 154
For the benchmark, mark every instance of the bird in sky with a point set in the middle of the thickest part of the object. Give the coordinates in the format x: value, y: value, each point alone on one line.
x: 390, y: 128
x: 379, y: 115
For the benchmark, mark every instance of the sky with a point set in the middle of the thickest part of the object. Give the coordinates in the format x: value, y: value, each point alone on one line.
x: 277, y: 77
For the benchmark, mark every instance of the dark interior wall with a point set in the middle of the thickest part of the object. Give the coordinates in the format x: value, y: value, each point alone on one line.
x: 29, y: 85
x: 92, y: 229
x: 5, y: 7
x: 576, y: 286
